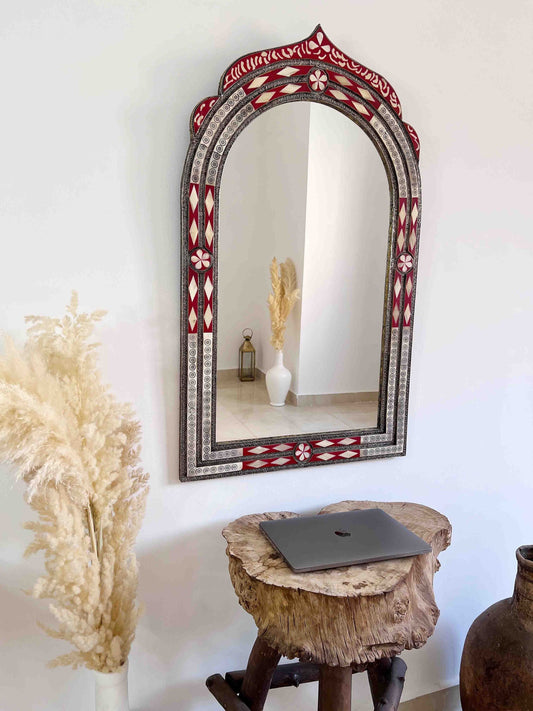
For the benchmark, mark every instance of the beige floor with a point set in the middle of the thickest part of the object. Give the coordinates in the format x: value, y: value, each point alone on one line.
x: 243, y: 412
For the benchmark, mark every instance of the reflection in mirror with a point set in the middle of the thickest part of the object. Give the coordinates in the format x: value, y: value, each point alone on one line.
x: 302, y: 182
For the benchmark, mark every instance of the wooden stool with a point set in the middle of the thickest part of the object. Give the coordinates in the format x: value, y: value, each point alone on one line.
x: 336, y: 621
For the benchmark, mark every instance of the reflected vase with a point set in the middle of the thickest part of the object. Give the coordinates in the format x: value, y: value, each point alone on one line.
x: 496, y: 670
x: 111, y: 690
x: 278, y: 381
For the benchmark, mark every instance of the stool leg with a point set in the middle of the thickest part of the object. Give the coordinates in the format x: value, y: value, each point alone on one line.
x: 334, y: 688
x: 258, y: 676
x: 378, y: 678
x: 386, y: 678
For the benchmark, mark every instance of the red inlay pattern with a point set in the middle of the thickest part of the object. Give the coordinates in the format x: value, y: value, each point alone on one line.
x: 286, y: 72
x: 346, y: 441
x: 402, y: 214
x: 260, y: 449
x: 285, y: 90
x: 201, y: 111
x: 408, y: 303
x: 319, y: 48
x: 192, y: 309
x: 330, y: 456
x: 396, y: 299
x: 357, y: 105
x: 193, y: 215
x: 275, y: 462
x: 208, y: 301
x: 414, y: 138
x: 414, y: 224
x: 208, y: 216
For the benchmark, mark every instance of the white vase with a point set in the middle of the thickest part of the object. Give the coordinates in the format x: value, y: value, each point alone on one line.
x: 278, y: 381
x: 111, y: 690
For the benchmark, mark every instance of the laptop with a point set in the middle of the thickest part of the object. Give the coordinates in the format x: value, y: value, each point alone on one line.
x: 319, y: 542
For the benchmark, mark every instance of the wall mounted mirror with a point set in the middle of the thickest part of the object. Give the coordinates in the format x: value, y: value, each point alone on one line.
x: 302, y: 155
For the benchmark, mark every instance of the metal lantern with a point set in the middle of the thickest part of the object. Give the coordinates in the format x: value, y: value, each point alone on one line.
x: 247, y: 357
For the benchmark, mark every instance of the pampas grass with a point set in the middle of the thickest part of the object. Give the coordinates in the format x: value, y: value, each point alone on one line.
x: 282, y: 299
x: 77, y: 450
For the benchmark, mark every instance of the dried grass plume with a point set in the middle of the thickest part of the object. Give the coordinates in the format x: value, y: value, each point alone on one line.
x: 77, y: 450
x: 282, y: 298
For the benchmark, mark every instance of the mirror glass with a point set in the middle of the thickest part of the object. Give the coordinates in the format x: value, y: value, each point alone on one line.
x: 302, y: 181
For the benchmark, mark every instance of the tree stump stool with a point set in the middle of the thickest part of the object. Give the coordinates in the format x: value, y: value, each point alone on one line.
x: 335, y: 622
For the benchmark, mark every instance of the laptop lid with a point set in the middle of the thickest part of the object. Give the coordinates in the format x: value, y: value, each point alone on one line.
x: 325, y: 541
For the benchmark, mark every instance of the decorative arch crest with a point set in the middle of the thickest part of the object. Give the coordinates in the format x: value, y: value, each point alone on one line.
x: 314, y: 70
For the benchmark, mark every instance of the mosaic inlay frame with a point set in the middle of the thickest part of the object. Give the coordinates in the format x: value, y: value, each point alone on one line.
x: 311, y: 70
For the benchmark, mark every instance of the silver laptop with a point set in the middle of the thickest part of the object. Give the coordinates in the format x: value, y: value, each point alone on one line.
x: 333, y: 540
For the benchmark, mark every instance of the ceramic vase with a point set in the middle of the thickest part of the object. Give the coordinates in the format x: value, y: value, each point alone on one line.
x: 496, y: 670
x: 111, y: 690
x: 278, y: 381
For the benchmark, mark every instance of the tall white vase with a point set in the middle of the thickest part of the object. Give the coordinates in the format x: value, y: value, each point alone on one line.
x: 111, y: 690
x: 278, y: 381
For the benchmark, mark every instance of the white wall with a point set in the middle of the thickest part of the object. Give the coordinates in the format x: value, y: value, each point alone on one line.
x: 96, y: 100
x: 346, y: 234
x: 266, y: 167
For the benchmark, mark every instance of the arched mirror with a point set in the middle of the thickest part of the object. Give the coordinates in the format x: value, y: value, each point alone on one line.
x: 303, y: 157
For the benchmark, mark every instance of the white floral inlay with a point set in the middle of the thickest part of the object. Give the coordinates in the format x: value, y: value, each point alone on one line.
x: 303, y: 452
x: 201, y: 259
x: 318, y: 80
x: 405, y: 263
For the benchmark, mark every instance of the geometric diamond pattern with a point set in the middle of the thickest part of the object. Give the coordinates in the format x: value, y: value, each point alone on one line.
x: 336, y: 442
x: 208, y: 317
x: 397, y: 287
x: 194, y: 231
x: 208, y: 288
x: 288, y: 71
x: 193, y: 287
x: 414, y: 217
x: 264, y: 97
x: 365, y: 94
x: 401, y: 226
x: 291, y: 88
x: 361, y: 109
x: 257, y: 82
x: 257, y: 464
x: 283, y: 447
x: 395, y: 314
x: 342, y: 80
x: 209, y: 200
x: 193, y: 199
x: 193, y: 215
x: 192, y: 305
x: 209, y: 234
x: 209, y: 203
x: 338, y: 95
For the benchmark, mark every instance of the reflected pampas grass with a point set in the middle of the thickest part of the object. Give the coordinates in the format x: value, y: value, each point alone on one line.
x: 282, y: 298
x: 77, y: 450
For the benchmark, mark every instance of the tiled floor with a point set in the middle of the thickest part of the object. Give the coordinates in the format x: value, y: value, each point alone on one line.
x: 244, y: 412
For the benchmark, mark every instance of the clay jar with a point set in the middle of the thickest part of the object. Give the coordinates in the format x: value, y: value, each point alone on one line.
x: 496, y: 668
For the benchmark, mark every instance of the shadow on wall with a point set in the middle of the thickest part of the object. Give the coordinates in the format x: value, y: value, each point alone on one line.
x: 193, y: 625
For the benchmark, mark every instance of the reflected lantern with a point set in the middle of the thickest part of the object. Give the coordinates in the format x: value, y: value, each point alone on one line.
x: 247, y: 357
